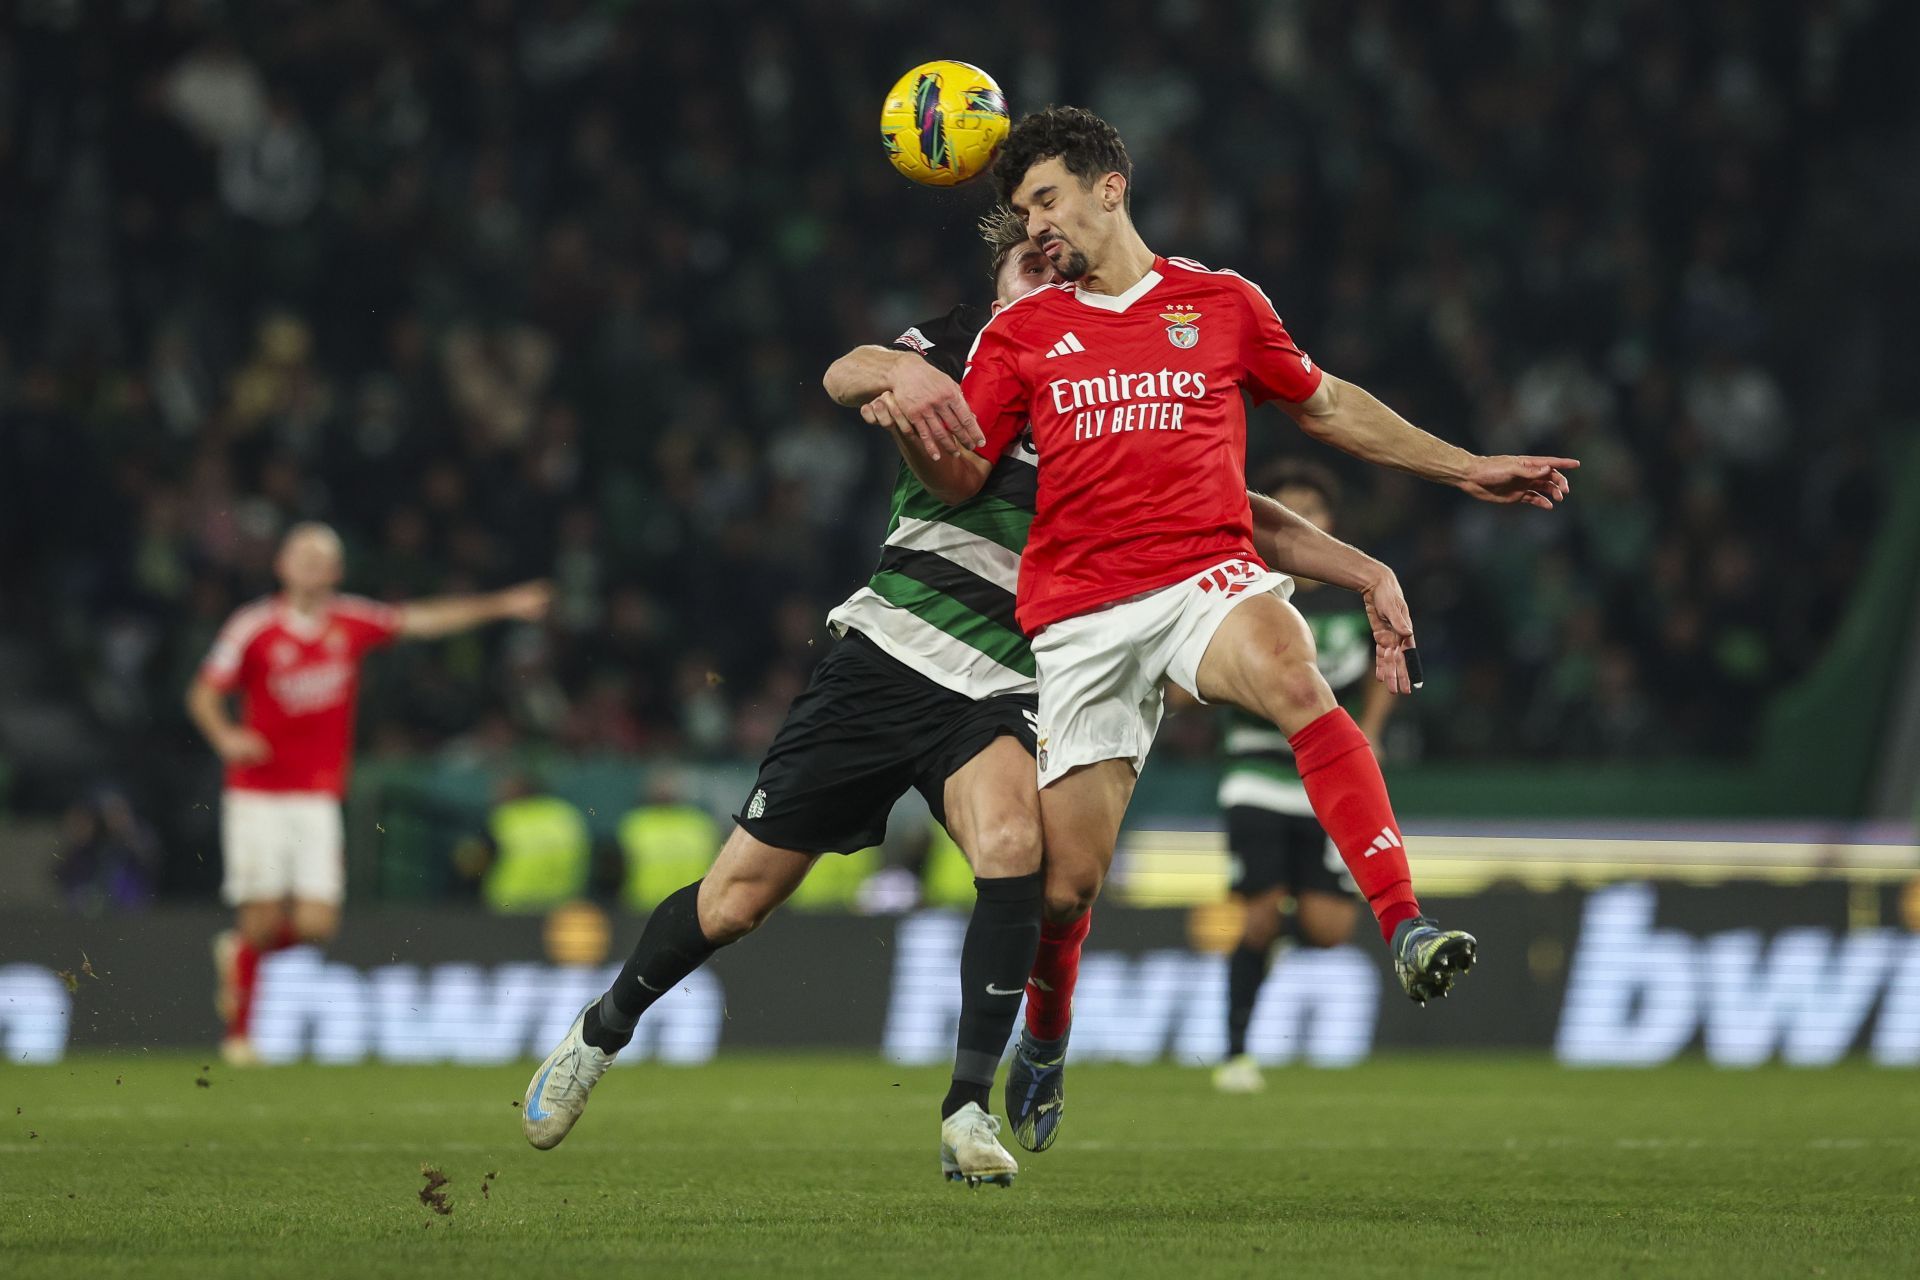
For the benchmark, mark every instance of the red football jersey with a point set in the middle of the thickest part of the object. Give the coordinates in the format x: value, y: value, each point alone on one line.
x: 1134, y: 402
x: 298, y: 677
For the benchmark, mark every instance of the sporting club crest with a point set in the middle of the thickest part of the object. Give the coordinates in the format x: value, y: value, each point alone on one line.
x: 1181, y: 331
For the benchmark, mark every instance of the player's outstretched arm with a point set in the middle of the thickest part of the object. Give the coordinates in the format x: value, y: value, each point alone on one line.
x: 927, y: 400
x: 233, y: 742
x: 444, y: 615
x: 1291, y: 544
x: 1350, y: 418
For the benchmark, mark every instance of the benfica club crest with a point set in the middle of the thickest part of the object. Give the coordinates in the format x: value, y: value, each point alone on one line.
x: 1180, y: 328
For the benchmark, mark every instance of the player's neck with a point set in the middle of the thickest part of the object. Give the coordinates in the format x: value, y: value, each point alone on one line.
x: 308, y: 604
x: 1122, y: 269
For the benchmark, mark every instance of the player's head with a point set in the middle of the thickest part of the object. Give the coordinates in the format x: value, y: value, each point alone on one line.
x: 311, y: 559
x: 1018, y: 265
x: 1067, y: 174
x: 1309, y: 490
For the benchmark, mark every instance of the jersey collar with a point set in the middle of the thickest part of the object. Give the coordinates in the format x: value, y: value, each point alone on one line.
x: 1117, y: 302
x: 304, y: 627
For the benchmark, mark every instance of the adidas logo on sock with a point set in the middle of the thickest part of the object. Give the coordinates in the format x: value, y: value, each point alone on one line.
x: 1066, y: 346
x: 1385, y: 840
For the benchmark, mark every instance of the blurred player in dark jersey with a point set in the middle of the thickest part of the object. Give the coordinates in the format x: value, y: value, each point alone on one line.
x: 1281, y: 856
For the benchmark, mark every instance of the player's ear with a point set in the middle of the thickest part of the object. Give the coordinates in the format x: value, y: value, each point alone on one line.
x: 1113, y: 191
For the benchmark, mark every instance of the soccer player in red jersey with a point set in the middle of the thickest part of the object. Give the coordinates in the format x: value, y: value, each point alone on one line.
x: 1129, y: 377
x: 294, y: 659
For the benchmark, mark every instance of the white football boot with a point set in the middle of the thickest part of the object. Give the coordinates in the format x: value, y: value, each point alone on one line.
x: 558, y: 1092
x: 238, y: 1051
x: 1239, y: 1075
x: 970, y: 1149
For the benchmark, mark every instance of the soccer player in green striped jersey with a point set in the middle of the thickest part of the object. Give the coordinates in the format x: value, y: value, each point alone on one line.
x: 929, y: 685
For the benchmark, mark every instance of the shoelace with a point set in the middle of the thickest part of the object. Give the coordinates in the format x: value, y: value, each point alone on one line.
x: 567, y: 1072
x: 983, y: 1121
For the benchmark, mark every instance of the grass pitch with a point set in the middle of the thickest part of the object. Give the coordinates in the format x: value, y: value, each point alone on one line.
x: 809, y: 1166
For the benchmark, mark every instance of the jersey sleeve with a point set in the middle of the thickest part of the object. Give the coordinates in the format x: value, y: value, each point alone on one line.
x: 369, y: 623
x: 995, y: 388
x: 1277, y: 369
x: 943, y: 342
x: 223, y: 664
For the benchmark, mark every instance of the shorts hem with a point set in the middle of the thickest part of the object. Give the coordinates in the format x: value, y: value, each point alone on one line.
x: 756, y: 827
x: 1202, y: 638
x: 1056, y: 770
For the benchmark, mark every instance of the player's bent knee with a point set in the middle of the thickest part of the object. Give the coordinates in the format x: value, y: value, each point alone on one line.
x: 735, y: 909
x: 260, y: 923
x: 1300, y: 691
x: 1070, y: 895
x: 1326, y: 925
x: 1008, y: 847
x: 1259, y: 933
x: 730, y: 918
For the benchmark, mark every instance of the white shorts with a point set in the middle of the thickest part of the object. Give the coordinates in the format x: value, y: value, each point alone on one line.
x: 1101, y: 673
x: 282, y: 844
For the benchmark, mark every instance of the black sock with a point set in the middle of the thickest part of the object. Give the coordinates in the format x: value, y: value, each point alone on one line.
x: 995, y: 959
x: 961, y: 1092
x: 1246, y: 970
x: 671, y: 946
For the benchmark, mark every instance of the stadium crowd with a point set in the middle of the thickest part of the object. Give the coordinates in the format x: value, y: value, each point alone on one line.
x: 512, y: 289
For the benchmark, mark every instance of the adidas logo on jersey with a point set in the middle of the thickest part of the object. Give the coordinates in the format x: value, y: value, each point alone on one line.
x: 1068, y: 345
x: 1384, y: 841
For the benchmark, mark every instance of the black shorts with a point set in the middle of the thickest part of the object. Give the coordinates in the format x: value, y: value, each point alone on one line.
x: 1273, y: 849
x: 867, y: 728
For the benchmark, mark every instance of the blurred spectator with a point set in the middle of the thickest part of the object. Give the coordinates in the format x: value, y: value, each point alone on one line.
x: 546, y: 288
x: 665, y: 843
x: 536, y: 854
x: 109, y: 858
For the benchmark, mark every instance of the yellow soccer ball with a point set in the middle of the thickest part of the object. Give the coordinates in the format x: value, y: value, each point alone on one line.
x: 943, y: 122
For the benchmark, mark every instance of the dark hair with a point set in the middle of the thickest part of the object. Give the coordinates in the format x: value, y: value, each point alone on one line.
x: 1004, y: 231
x: 1086, y: 144
x: 1290, y: 473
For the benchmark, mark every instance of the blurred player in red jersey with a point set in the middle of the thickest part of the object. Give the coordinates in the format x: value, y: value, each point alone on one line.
x: 1129, y: 377
x: 294, y: 659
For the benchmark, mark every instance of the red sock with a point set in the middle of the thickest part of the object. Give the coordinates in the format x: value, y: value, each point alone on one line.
x: 246, y: 974
x: 246, y: 971
x: 1350, y: 798
x: 1056, y: 967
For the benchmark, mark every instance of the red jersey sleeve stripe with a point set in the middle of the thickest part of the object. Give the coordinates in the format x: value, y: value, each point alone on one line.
x: 222, y: 664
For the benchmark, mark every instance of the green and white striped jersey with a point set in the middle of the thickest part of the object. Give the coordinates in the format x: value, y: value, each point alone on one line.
x: 1259, y: 770
x: 941, y: 599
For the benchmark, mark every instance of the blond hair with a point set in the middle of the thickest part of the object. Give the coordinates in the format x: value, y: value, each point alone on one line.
x: 1004, y: 231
